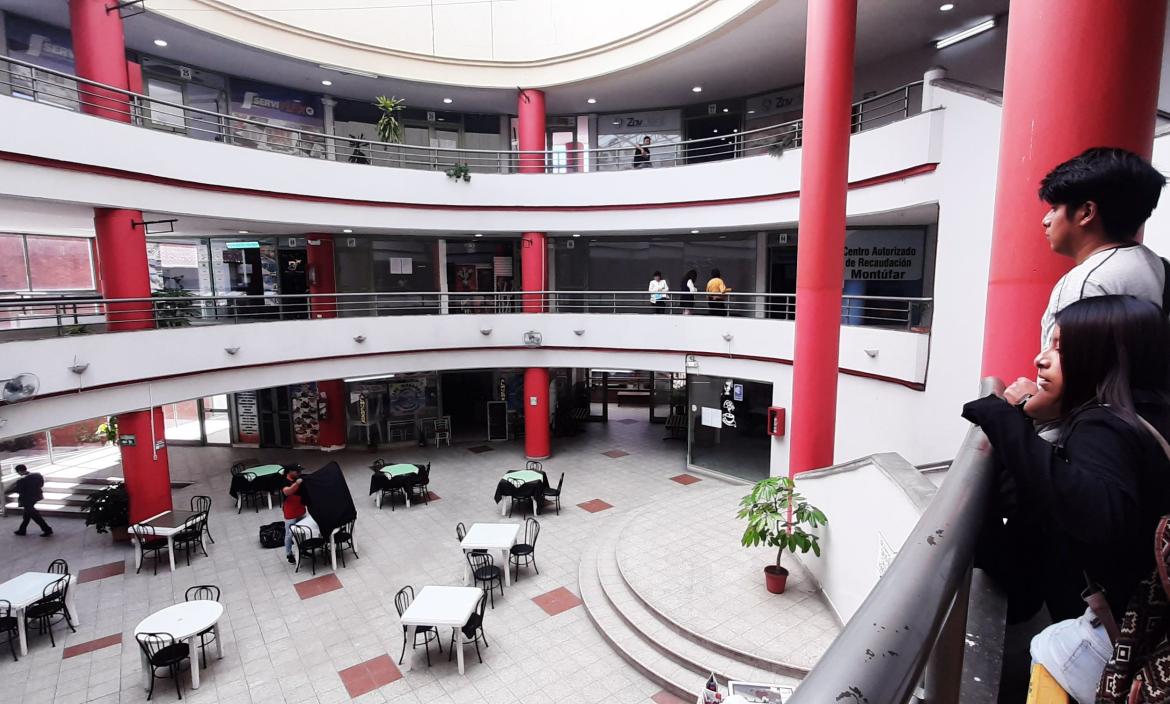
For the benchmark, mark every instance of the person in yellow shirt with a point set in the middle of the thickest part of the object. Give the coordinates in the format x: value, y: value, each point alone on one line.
x: 717, y: 294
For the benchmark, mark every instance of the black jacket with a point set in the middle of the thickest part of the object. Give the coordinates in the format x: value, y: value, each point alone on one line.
x: 28, y: 489
x: 1093, y: 500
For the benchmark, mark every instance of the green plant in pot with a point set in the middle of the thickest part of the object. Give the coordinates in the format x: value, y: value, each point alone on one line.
x: 459, y: 172
x: 780, y: 517
x: 389, y: 126
x: 107, y: 432
x: 173, y: 307
x: 108, y: 510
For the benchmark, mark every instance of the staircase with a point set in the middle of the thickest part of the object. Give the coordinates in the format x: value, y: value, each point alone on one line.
x: 63, y: 497
x: 678, y: 660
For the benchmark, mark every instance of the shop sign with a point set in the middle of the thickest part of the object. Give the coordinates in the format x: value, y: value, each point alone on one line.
x: 638, y: 122
x: 775, y: 103
x: 178, y: 256
x: 247, y: 417
x: 883, y: 255
x: 40, y: 44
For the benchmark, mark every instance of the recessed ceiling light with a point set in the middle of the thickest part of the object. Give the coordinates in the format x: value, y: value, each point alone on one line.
x: 447, y: 101
x: 347, y: 231
x: 751, y: 112
x: 160, y: 42
x: 243, y: 232
x: 725, y: 110
x: 965, y: 34
x: 616, y: 122
x: 591, y: 101
x: 735, y: 130
x: 479, y: 234
x: 946, y: 7
x: 576, y: 235
x: 697, y: 89
x: 326, y: 82
x: 694, y: 232
x: 715, y: 131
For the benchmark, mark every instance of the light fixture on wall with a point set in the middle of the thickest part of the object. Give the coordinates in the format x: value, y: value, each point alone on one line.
x: 485, y: 331
x: 359, y: 338
x: 728, y: 337
x: 231, y: 350
x: 872, y: 353
x: 965, y: 34
x: 532, y: 338
x: 697, y: 89
x: 579, y: 333
x: 326, y: 82
x: 591, y: 101
x: 946, y: 7
x: 78, y: 367
x: 160, y: 42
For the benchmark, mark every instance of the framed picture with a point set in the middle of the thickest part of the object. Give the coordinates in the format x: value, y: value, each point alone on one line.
x: 758, y: 693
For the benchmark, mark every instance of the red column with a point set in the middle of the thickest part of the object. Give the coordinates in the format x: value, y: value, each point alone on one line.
x: 824, y: 173
x: 533, y: 275
x: 1115, y: 70
x: 122, y: 267
x: 145, y: 469
x: 323, y: 280
x: 99, y: 54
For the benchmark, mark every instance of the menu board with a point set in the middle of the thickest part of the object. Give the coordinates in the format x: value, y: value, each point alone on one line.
x: 247, y: 417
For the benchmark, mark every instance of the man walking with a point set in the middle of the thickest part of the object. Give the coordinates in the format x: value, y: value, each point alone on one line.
x: 294, y: 508
x: 28, y: 491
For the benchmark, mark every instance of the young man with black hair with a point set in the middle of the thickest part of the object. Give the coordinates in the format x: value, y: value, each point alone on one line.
x: 1098, y: 202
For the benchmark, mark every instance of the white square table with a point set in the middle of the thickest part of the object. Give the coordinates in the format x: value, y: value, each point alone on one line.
x: 26, y: 589
x: 183, y: 621
x: 490, y: 536
x: 441, y: 607
x: 166, y: 525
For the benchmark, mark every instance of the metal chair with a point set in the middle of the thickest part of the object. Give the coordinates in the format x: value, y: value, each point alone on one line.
x: 163, y: 651
x: 555, y: 494
x: 483, y: 569
x: 442, y: 431
x: 203, y: 505
x: 203, y: 592
x: 461, y: 533
x: 344, y: 536
x: 9, y: 625
x: 419, y: 486
x: 148, y: 542
x: 307, y: 545
x: 525, y: 495
x: 51, y: 603
x: 473, y: 629
x: 190, y: 537
x: 251, y: 494
x: 402, y: 601
x: 534, y: 466
x: 58, y: 566
x: 525, y: 552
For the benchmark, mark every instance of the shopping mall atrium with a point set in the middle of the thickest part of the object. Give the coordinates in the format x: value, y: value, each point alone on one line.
x: 491, y: 313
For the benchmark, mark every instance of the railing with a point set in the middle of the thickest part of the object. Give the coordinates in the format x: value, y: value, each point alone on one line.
x: 50, y: 87
x: 29, y: 317
x: 909, y: 636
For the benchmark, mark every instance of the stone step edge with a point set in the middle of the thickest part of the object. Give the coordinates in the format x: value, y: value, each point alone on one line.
x: 777, y: 666
x: 586, y: 570
x: 688, y: 661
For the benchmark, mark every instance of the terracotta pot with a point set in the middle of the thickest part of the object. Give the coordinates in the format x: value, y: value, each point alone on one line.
x: 120, y: 534
x: 775, y: 578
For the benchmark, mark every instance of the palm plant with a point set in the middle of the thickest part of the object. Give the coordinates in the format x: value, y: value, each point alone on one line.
x: 389, y: 127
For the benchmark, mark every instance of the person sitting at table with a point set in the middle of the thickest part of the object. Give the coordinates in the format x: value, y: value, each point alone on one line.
x: 294, y: 508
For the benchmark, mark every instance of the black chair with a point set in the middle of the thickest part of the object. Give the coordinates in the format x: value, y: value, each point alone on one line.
x: 162, y: 651
x: 473, y: 629
x: 461, y: 533
x: 58, y: 566
x: 555, y: 494
x: 342, y: 537
x: 402, y: 601
x: 525, y: 552
x: 148, y: 542
x: 203, y: 592
x: 377, y: 464
x: 202, y: 504
x: 9, y: 625
x: 483, y: 569
x: 396, y: 486
x: 534, y: 466
x: 251, y: 493
x: 190, y: 537
x: 51, y: 603
x: 308, y: 546
x: 525, y: 496
x: 419, y: 486
x: 238, y: 467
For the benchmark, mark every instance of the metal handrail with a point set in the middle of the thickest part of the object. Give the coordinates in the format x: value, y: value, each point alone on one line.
x: 230, y: 128
x: 19, y: 316
x: 912, y: 614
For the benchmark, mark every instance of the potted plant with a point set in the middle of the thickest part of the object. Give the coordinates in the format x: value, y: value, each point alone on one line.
x: 459, y: 172
x: 108, y: 509
x: 173, y: 307
x: 107, y: 432
x: 389, y: 127
x: 779, y: 517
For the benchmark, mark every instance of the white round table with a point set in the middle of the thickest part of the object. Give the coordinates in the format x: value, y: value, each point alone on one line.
x: 184, y: 622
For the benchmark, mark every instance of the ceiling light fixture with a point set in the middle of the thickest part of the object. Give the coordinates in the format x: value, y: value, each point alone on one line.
x: 326, y: 82
x: 479, y: 234
x: 160, y: 42
x: 591, y: 101
x: 697, y: 89
x: 694, y: 232
x: 350, y: 71
x: 965, y: 34
x: 347, y: 231
x: 725, y: 110
x: 447, y: 101
x: 576, y: 235
x: 372, y: 377
x: 946, y: 7
x: 242, y: 232
x: 751, y: 112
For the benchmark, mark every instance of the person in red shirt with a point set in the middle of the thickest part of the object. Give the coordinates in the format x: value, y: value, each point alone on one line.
x: 294, y: 507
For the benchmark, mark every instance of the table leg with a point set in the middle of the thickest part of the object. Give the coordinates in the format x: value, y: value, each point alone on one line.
x: 22, y: 635
x: 535, y: 510
x: 171, y: 551
x: 333, y: 553
x: 459, y: 648
x: 503, y: 506
x: 71, y: 602
x: 466, y: 570
x: 270, y: 501
x: 239, y: 498
x: 507, y: 571
x: 193, y: 649
x: 145, y: 669
x: 409, y: 649
x: 137, y: 554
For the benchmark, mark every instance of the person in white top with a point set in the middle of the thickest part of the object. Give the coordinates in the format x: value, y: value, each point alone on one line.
x: 689, y: 291
x: 1098, y: 202
x: 658, y: 289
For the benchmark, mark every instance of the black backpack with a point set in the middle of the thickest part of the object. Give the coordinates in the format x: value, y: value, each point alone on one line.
x: 272, y: 535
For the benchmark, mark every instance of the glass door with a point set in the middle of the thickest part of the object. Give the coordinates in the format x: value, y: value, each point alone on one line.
x: 560, y: 142
x: 598, y: 386
x: 216, y: 423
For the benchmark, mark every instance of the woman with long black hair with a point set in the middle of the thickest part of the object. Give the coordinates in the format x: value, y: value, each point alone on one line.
x: 1084, y: 507
x: 686, y: 299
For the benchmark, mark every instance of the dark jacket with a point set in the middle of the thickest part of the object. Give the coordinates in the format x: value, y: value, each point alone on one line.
x: 1092, y: 501
x: 28, y: 489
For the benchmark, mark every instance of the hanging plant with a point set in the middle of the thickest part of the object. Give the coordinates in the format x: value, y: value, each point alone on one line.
x: 389, y: 127
x: 459, y: 171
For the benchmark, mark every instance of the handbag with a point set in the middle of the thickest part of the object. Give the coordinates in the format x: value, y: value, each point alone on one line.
x: 272, y: 535
x: 1139, y: 671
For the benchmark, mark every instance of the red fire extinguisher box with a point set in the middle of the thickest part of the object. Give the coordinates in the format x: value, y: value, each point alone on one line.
x: 776, y: 421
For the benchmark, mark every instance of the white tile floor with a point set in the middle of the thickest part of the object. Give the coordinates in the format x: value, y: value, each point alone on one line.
x: 279, y: 648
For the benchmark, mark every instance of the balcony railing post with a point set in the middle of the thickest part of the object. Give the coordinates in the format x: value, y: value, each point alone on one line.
x: 944, y: 670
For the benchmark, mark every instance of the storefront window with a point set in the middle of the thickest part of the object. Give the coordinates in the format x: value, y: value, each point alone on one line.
x: 44, y: 263
x: 13, y: 271
x: 46, y: 46
x: 386, y: 265
x: 279, y: 119
x: 179, y: 265
x: 390, y: 408
x: 618, y: 135
x: 729, y: 425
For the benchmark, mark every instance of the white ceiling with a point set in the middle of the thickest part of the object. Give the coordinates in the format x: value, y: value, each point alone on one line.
x: 746, y: 57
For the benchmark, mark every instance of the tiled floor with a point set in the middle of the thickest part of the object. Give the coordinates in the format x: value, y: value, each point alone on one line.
x: 280, y: 648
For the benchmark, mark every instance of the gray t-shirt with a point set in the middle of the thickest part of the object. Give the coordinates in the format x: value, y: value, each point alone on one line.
x: 1135, y: 271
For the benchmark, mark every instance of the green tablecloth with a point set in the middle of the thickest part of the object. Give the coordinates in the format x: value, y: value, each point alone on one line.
x: 524, y: 475
x: 263, y: 470
x: 396, y: 470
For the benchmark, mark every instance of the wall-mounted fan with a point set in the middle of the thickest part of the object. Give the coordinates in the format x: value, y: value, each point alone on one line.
x: 19, y: 388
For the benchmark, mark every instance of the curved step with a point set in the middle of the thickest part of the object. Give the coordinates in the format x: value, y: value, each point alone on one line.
x: 686, y: 648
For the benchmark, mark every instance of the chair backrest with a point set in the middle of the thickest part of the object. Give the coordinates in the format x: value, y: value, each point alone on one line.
x: 143, y: 532
x: 300, y: 534
x: 202, y: 592
x: 249, y: 476
x: 442, y: 425
x: 201, y: 503
x: 378, y: 464
x: 560, y: 481
x: 531, y: 531
x: 479, y: 560
x: 348, y: 528
x: 55, y: 591
x: 403, y: 599
x: 480, y: 606
x: 6, y: 611
x: 534, y: 466
x: 59, y: 566
x: 460, y: 531
x: 153, y: 643
x: 237, y: 468
x: 526, y: 491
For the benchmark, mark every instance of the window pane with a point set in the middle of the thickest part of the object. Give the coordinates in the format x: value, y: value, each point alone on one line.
x: 60, y: 263
x: 13, y: 276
